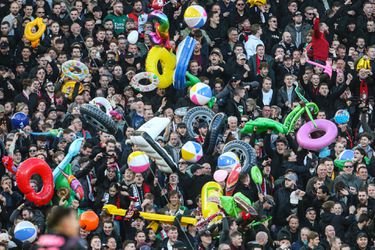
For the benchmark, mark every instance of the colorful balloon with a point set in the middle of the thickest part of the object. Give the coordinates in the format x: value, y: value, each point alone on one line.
x: 25, y: 231
x: 200, y: 94
x: 220, y: 175
x: 138, y: 161
x: 89, y: 220
x: 19, y: 120
x: 191, y: 151
x: 133, y: 37
x: 227, y: 161
x: 195, y: 16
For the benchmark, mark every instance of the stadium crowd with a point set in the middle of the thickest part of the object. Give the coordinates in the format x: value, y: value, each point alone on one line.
x: 251, y: 57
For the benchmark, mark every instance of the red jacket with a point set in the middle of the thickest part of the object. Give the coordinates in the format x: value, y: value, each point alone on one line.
x: 319, y: 43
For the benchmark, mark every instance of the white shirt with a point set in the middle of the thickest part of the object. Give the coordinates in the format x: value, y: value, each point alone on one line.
x: 267, y: 97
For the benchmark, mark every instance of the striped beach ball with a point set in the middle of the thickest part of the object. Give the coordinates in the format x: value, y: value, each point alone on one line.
x: 195, y: 16
x: 138, y: 161
x: 25, y: 231
x: 191, y: 151
x: 227, y: 161
x: 200, y: 94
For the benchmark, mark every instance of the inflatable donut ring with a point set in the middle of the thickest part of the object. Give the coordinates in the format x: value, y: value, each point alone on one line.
x: 25, y: 171
x: 184, y: 52
x: 69, y: 86
x: 34, y: 38
x: 81, y: 70
x: 8, y: 164
x: 305, y: 141
x: 101, y: 101
x: 151, y: 77
x: 168, y: 63
x: 211, y: 193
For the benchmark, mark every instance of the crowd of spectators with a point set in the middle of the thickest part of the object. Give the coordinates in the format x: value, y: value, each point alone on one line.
x: 251, y: 57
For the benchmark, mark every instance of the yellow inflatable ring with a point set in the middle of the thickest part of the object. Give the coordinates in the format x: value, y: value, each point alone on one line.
x: 69, y: 87
x: 151, y: 77
x: 75, y: 70
x: 34, y: 38
x: 211, y: 192
x: 168, y: 63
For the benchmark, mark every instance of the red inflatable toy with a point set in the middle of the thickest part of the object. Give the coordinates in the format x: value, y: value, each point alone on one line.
x: 25, y: 171
x: 232, y: 180
x: 8, y: 164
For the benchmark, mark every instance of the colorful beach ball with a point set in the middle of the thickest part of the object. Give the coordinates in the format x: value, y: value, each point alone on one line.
x: 25, y: 231
x: 346, y: 155
x: 138, y: 161
x: 191, y: 151
x: 227, y: 161
x: 19, y: 120
x: 200, y: 94
x: 195, y: 16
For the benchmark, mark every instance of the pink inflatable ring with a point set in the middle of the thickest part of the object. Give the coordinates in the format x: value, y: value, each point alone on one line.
x: 304, y: 134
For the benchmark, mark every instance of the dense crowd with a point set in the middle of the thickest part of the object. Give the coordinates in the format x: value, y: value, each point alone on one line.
x: 252, y: 57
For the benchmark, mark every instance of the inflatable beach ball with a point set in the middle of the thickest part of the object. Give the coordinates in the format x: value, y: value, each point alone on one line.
x: 191, y: 151
x: 342, y: 116
x: 89, y: 221
x: 227, y: 161
x: 138, y: 161
x: 195, y: 16
x: 200, y: 94
x: 25, y: 231
x: 19, y: 120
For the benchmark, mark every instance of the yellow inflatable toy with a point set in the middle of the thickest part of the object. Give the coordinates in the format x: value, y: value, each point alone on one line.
x: 211, y: 192
x: 256, y: 2
x: 69, y: 87
x: 34, y: 37
x: 363, y: 63
x: 168, y: 63
x: 113, y: 210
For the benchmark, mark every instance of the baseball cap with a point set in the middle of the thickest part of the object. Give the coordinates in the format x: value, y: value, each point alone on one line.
x: 181, y: 125
x: 160, y: 138
x: 129, y: 55
x: 283, y: 237
x: 241, y: 56
x: 195, y: 167
x: 297, y: 13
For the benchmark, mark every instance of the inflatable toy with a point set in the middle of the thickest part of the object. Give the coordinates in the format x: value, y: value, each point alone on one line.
x: 113, y: 210
x: 200, y: 94
x: 133, y: 37
x: 195, y: 116
x: 195, y: 16
x: 19, y: 120
x: 69, y: 86
x: 232, y: 180
x: 228, y: 161
x: 342, y: 116
x: 8, y: 164
x: 89, y: 221
x: 363, y: 63
x: 184, y: 51
x: 49, y: 133
x: 220, y: 175
x: 25, y: 231
x: 98, y: 119
x: 245, y: 152
x: 144, y: 138
x: 138, y: 161
x: 167, y: 61
x: 304, y: 134
x: 233, y: 205
x: 74, y: 149
x: 75, y: 70
x: 157, y: 4
x: 161, y: 22
x: 257, y: 177
x: 67, y: 189
x: 256, y: 2
x: 151, y: 77
x: 25, y: 171
x: 34, y: 37
x: 327, y: 69
x: 75, y: 185
x: 346, y: 155
x: 261, y: 125
x: 211, y: 193
x: 191, y: 151
x: 102, y: 102
x: 192, y: 79
x: 214, y: 133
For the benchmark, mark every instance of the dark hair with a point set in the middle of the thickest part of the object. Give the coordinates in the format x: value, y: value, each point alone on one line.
x: 57, y: 214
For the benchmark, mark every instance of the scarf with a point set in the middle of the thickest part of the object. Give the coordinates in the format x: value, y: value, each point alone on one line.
x: 363, y: 90
x: 258, y: 64
x: 138, y: 192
